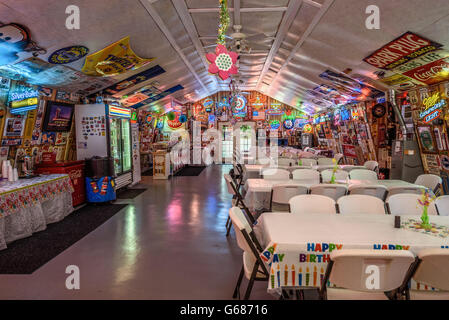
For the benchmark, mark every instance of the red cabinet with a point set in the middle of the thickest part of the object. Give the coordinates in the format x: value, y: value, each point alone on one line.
x: 75, y: 169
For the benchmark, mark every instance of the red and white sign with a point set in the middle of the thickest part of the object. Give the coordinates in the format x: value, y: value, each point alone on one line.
x: 349, y: 151
x: 401, y: 50
x: 431, y: 73
x: 48, y: 157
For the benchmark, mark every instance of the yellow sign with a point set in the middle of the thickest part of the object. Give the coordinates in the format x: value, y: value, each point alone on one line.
x: 431, y: 101
x: 113, y: 60
x: 29, y: 126
x: 24, y: 103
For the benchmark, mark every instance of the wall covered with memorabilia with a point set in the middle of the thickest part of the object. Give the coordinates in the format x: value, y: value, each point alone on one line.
x: 345, y: 130
x: 266, y: 112
x: 35, y: 121
x: 430, y: 114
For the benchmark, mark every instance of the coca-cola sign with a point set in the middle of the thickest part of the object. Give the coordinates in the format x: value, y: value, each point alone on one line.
x: 431, y: 73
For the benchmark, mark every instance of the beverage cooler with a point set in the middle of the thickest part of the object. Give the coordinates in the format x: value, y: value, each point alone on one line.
x: 105, y: 131
x: 75, y: 169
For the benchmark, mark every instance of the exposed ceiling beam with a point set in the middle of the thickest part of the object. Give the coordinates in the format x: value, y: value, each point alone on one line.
x: 187, y: 21
x: 304, y: 37
x: 264, y: 9
x: 237, y: 12
x: 313, y: 3
x: 160, y: 23
x: 287, y: 20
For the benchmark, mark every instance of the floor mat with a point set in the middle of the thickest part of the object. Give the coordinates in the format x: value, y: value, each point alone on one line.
x: 27, y: 255
x: 148, y: 173
x: 190, y: 171
x: 129, y: 193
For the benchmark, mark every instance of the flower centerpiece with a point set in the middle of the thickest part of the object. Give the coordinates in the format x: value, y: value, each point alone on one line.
x: 334, y: 170
x: 426, y: 199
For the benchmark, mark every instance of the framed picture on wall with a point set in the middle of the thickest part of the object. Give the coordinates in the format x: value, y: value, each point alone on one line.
x: 58, y: 117
x: 426, y: 139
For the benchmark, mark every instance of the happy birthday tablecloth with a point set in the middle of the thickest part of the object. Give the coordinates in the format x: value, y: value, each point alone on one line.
x: 298, y: 247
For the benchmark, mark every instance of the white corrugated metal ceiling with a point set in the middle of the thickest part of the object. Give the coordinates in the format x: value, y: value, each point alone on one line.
x: 308, y: 37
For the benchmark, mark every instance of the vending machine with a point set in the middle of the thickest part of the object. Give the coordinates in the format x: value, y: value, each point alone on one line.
x: 105, y: 131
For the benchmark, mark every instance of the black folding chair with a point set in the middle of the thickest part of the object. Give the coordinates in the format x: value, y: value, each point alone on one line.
x: 238, y: 203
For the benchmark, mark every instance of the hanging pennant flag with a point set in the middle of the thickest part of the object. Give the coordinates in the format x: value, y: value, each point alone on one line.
x: 114, y: 60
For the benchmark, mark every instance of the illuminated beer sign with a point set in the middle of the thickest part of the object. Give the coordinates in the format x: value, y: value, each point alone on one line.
x: 23, y: 95
x: 433, y: 106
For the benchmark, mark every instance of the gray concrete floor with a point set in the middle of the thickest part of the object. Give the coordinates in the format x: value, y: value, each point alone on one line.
x: 169, y: 243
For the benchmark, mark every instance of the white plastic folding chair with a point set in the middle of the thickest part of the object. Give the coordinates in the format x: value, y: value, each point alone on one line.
x: 377, y: 191
x: 349, y: 168
x: 322, y: 168
x: 308, y: 162
x: 286, y: 162
x: 325, y: 161
x: 334, y: 191
x: 338, y: 157
x: 407, y: 204
x: 360, y: 204
x: 275, y: 174
x: 372, y: 165
x: 361, y: 174
x: 442, y: 204
x: 312, y: 204
x: 326, y: 175
x: 281, y: 195
x: 412, y: 190
x: 430, y: 181
x: 431, y: 270
x: 253, y: 267
x: 351, y: 270
x: 307, y: 175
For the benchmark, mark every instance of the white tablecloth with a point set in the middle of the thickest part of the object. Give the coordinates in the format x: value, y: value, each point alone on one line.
x: 254, y: 171
x: 257, y: 192
x: 298, y: 246
x: 28, y: 205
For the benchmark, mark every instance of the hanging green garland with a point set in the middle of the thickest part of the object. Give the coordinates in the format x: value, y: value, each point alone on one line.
x: 224, y: 22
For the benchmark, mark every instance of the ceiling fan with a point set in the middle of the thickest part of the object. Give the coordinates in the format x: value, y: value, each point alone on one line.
x: 242, y: 43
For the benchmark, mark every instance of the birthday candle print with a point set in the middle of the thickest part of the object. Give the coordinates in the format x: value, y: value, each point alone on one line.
x: 307, y: 276
x: 321, y: 276
x: 272, y: 278
x: 300, y: 277
x: 314, y: 276
x: 286, y: 276
x: 279, y: 276
x: 293, y: 275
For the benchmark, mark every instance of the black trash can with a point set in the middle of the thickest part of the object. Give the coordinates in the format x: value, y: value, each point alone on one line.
x: 98, y: 167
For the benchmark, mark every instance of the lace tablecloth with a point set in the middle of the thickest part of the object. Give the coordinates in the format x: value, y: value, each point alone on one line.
x: 27, y: 192
x: 28, y: 205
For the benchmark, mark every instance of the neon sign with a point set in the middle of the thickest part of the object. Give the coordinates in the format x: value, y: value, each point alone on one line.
x: 22, y: 95
x: 432, y: 108
x: 239, y: 106
x: 308, y: 128
x: 275, y: 124
x: 275, y: 109
x: 288, y: 124
x: 208, y: 103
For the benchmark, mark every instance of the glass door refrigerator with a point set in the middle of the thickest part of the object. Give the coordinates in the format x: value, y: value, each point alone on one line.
x: 105, y: 131
x: 120, y: 144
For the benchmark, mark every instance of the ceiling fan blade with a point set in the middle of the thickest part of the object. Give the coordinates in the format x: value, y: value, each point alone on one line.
x: 255, y: 46
x: 257, y: 37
